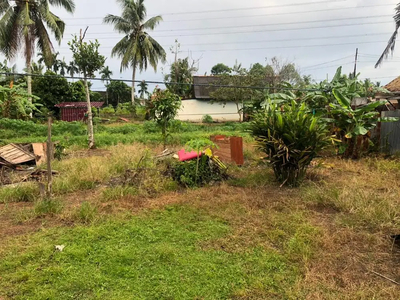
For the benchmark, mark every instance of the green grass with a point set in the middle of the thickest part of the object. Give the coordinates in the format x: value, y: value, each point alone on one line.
x: 74, y: 133
x: 25, y: 192
x: 152, y: 256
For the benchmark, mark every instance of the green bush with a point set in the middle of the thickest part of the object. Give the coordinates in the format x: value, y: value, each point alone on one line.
x: 207, y: 119
x: 184, y: 173
x: 107, y: 111
x: 292, y: 137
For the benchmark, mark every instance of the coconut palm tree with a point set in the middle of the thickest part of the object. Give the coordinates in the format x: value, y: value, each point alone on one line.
x: 25, y: 24
x: 392, y: 41
x: 143, y: 89
x: 72, y: 69
x: 137, y: 49
x: 106, y: 74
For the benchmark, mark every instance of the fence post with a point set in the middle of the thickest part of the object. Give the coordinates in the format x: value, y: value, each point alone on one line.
x: 49, y: 155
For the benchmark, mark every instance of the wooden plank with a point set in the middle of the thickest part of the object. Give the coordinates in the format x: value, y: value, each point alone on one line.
x: 39, y: 151
x: 14, y: 154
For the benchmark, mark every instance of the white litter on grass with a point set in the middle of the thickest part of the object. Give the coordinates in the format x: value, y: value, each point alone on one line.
x: 60, y: 247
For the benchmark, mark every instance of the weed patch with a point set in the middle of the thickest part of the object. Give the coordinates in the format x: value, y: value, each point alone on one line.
x: 48, y: 207
x: 25, y: 192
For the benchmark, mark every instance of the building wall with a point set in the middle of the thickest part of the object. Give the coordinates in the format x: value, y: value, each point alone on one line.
x: 193, y: 111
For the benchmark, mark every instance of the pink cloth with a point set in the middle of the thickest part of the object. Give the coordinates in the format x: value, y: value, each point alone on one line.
x: 183, y: 155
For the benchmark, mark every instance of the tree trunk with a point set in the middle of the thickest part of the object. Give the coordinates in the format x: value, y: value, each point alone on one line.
x: 238, y: 111
x: 29, y: 81
x: 133, y: 84
x: 90, y: 115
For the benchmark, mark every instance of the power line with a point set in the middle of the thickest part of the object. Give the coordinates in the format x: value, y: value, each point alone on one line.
x: 328, y: 62
x: 287, y: 47
x: 249, y: 8
x: 254, y: 31
x: 270, y: 41
x: 261, y: 25
x: 329, y: 66
x: 278, y: 47
x: 235, y: 17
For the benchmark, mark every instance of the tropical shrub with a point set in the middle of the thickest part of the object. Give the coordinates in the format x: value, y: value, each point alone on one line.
x: 292, y: 137
x: 197, y: 172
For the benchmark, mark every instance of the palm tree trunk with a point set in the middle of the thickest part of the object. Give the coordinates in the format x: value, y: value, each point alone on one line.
x: 29, y: 81
x: 90, y: 116
x: 133, y: 84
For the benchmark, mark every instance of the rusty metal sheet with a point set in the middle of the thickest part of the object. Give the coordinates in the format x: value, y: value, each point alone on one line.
x: 15, y: 155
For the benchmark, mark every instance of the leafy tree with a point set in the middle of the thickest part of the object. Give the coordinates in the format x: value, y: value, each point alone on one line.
x: 181, y: 72
x: 51, y: 90
x: 279, y: 71
x: 220, y: 69
x: 25, y: 24
x: 118, y: 92
x: 239, y: 93
x: 77, y: 91
x: 137, y: 49
x: 165, y: 106
x: 89, y: 60
x: 392, y: 41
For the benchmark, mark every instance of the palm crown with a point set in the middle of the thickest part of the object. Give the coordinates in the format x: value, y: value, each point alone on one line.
x: 137, y: 49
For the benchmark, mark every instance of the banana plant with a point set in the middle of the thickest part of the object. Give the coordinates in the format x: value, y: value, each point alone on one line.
x: 351, y: 123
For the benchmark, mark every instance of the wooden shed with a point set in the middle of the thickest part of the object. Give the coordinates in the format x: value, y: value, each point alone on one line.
x: 75, y: 111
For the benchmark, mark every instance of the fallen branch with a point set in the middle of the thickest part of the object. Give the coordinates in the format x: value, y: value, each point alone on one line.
x: 387, y: 278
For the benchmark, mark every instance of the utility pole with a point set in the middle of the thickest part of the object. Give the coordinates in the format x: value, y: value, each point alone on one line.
x: 355, y: 64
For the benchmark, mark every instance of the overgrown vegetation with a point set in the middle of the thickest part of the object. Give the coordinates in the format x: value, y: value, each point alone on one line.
x: 291, y: 137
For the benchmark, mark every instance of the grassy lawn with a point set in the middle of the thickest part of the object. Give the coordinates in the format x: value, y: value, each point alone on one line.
x: 245, y: 238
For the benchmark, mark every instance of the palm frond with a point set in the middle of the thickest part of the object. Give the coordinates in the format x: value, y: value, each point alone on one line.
x: 68, y: 5
x: 120, y: 24
x: 389, y: 48
x: 392, y: 41
x: 152, y: 23
x: 44, y: 44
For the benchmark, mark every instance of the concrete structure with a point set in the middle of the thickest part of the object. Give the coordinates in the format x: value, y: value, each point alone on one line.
x: 193, y: 110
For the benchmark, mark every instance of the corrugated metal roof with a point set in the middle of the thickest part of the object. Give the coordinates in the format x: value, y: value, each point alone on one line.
x: 79, y: 104
x: 15, y: 155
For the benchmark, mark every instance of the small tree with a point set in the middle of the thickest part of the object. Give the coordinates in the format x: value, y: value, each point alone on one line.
x: 89, y: 60
x: 220, y: 69
x: 165, y: 106
x: 239, y: 93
